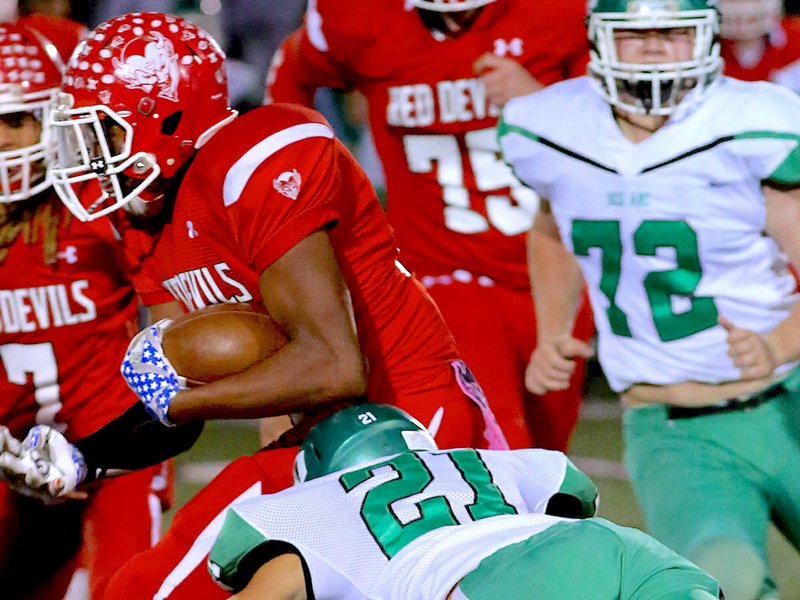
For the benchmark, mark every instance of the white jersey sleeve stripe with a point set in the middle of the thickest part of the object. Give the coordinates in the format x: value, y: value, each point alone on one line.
x: 241, y: 171
x: 314, y: 27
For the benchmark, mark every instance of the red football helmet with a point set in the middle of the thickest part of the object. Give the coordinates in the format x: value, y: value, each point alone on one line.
x: 29, y: 79
x: 140, y: 94
x: 448, y: 5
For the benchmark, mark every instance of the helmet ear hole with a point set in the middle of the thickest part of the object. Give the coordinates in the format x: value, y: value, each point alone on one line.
x: 170, y: 124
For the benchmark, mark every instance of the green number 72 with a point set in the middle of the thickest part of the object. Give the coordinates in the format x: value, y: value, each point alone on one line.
x: 660, y: 286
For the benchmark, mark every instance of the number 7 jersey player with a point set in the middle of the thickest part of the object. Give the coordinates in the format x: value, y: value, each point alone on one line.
x: 433, y: 82
x: 67, y: 311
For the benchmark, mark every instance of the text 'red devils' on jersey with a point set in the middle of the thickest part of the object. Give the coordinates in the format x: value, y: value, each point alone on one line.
x: 452, y: 201
x: 64, y: 328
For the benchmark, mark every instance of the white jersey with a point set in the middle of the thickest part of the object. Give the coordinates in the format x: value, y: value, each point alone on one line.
x: 384, y: 531
x: 669, y: 232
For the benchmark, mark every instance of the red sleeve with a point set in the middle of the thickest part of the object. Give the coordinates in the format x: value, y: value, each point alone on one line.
x: 576, y: 42
x: 290, y: 195
x: 318, y: 54
x: 298, y: 69
x: 64, y: 33
x: 148, y: 287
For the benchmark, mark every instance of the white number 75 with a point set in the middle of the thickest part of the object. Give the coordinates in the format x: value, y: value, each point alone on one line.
x: 510, y: 215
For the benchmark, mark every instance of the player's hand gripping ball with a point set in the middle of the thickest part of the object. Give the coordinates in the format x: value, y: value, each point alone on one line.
x: 219, y: 341
x: 148, y: 372
x: 197, y: 348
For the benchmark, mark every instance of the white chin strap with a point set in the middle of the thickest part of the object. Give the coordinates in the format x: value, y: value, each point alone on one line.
x: 447, y: 5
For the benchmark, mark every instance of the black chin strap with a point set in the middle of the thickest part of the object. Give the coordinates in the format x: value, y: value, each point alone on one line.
x: 621, y: 116
x: 434, y: 22
x: 643, y: 92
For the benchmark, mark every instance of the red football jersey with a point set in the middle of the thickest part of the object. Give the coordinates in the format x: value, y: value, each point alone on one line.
x: 64, y: 329
x: 64, y: 33
x: 257, y: 188
x: 780, y: 61
x: 452, y: 201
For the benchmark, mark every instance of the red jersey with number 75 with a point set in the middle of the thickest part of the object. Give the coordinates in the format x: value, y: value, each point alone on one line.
x: 452, y: 201
x: 64, y: 326
x: 261, y: 185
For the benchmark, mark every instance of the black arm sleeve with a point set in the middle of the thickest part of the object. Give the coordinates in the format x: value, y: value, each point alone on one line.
x: 135, y: 440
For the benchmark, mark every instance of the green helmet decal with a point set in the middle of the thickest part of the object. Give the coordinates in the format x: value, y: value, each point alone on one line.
x: 640, y: 6
x: 356, y: 435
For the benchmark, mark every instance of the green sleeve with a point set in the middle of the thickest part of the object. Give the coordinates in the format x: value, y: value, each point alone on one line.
x: 228, y: 560
x: 787, y: 173
x: 577, y: 496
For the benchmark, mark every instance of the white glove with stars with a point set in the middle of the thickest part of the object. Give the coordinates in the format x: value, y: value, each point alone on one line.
x: 149, y: 374
x: 43, y: 466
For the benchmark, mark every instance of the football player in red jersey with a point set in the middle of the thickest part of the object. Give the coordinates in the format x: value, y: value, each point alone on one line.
x: 758, y: 43
x: 63, y: 32
x: 434, y: 80
x: 67, y: 311
x: 267, y: 208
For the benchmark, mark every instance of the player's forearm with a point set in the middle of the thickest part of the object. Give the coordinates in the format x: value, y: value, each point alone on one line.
x: 556, y: 281
x: 298, y: 378
x: 784, y: 340
x: 783, y: 213
x: 135, y: 440
x: 281, y: 578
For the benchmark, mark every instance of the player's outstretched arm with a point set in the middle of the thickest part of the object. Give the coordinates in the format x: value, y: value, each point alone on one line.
x: 279, y: 579
x: 783, y: 214
x: 46, y: 466
x: 556, y: 281
x: 755, y: 354
x: 298, y: 69
x: 305, y: 293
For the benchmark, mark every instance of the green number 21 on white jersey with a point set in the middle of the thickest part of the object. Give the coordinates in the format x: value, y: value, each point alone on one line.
x: 435, y: 511
x: 659, y: 286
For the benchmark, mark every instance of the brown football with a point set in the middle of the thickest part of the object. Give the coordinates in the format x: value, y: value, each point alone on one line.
x: 220, y: 340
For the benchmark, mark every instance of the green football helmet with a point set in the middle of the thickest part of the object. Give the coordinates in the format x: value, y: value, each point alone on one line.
x: 654, y: 89
x: 357, y: 435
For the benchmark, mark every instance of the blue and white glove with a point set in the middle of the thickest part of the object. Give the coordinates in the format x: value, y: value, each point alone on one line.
x: 43, y: 466
x: 149, y: 374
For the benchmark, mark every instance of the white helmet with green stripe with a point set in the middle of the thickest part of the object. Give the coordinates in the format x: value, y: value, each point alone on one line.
x: 647, y: 88
x: 357, y: 435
